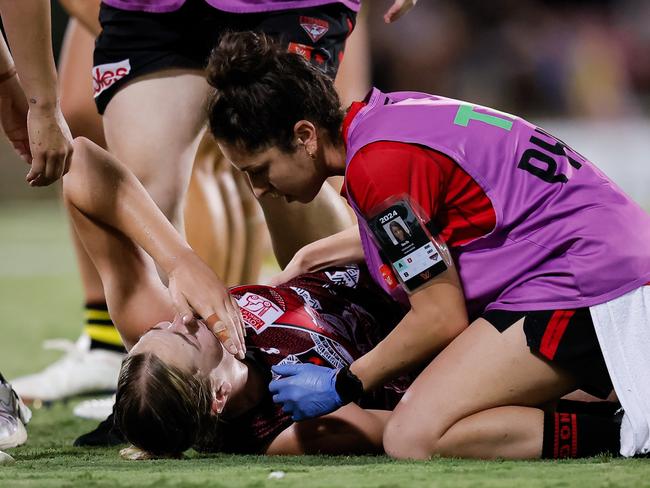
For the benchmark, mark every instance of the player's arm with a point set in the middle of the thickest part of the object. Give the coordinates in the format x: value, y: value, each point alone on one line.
x: 13, y: 105
x: 27, y: 24
x: 86, y: 12
x: 348, y: 430
x: 100, y: 186
x: 436, y: 317
x: 339, y: 249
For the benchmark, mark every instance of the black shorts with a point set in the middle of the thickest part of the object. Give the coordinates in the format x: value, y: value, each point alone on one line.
x: 133, y: 44
x: 565, y: 337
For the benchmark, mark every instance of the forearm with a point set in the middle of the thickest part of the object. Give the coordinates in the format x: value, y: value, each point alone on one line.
x: 102, y: 188
x: 86, y: 12
x: 336, y: 250
x: 27, y: 24
x: 348, y: 430
x: 425, y: 331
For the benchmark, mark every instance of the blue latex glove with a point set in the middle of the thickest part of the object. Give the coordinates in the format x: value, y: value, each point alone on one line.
x: 305, y: 390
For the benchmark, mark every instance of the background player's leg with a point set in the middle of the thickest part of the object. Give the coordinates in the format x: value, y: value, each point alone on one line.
x: 353, y: 77
x: 154, y: 125
x: 206, y: 224
x: 478, y: 399
x: 236, y: 223
x: 257, y: 244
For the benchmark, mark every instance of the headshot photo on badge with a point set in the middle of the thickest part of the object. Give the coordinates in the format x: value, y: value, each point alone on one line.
x: 398, y: 232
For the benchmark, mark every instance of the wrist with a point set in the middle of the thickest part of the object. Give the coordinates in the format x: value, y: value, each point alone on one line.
x: 348, y: 386
x: 43, y: 106
x: 178, y: 259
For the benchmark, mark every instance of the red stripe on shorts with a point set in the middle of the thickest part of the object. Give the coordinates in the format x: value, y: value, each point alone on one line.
x: 554, y: 332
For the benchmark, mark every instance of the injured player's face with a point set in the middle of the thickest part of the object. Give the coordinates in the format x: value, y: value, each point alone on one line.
x: 172, y: 388
x: 190, y: 347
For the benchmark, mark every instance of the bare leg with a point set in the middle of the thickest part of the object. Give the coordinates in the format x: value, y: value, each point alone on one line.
x: 236, y: 224
x: 353, y: 78
x: 258, y: 242
x: 154, y: 125
x: 478, y: 399
x: 206, y: 222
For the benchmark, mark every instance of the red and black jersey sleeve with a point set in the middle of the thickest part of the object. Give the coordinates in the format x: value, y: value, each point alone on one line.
x: 444, y: 193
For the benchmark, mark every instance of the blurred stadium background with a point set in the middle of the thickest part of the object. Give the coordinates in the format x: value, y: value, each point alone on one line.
x: 579, y: 68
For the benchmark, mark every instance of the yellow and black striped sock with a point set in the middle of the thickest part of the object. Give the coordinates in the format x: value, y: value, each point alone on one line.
x: 99, y: 327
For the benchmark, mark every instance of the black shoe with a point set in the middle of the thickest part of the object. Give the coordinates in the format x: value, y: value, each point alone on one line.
x: 106, y: 434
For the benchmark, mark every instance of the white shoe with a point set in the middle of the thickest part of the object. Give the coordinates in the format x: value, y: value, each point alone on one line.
x: 13, y: 417
x: 81, y: 370
x: 6, y: 458
x: 96, y: 409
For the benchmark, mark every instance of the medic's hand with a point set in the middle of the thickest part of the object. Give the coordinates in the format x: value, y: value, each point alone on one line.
x: 13, y: 117
x: 398, y: 9
x: 50, y: 143
x: 194, y: 287
x: 296, y: 267
x: 305, y: 390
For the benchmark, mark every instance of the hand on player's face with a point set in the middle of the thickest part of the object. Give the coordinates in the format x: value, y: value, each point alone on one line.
x: 194, y: 287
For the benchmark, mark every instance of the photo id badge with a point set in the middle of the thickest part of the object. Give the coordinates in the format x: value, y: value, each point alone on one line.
x: 414, y: 254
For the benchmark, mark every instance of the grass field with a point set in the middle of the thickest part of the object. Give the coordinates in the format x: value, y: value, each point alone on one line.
x: 40, y: 299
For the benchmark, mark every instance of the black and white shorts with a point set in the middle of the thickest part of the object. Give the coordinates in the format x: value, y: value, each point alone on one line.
x: 134, y: 43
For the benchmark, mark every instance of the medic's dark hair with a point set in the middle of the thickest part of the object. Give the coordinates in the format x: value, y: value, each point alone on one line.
x: 261, y: 90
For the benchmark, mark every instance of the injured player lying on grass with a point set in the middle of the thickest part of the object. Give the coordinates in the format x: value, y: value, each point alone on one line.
x: 179, y: 386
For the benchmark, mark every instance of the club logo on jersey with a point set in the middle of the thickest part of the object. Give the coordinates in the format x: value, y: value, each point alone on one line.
x: 302, y: 49
x: 307, y: 298
x: 258, y: 312
x: 349, y: 277
x: 315, y: 28
x: 105, y: 75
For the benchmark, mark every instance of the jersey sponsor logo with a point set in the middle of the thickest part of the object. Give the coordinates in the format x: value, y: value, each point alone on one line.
x: 349, y: 277
x: 258, y: 312
x: 315, y: 28
x: 105, y: 75
x: 307, y: 298
x: 304, y: 50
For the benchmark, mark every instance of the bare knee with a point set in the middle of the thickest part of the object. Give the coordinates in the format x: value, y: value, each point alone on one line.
x: 408, y: 439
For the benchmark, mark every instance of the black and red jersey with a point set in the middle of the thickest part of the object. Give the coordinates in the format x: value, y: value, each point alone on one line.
x: 328, y: 318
